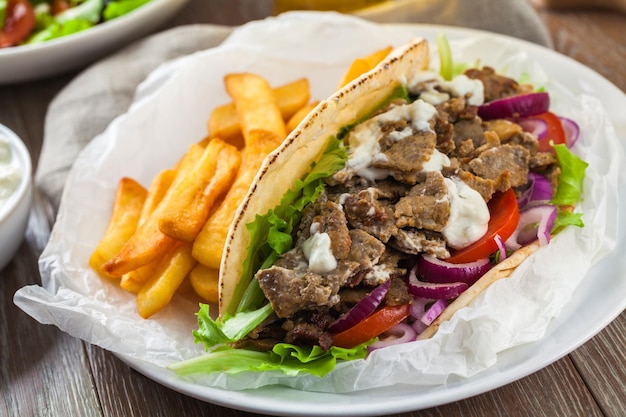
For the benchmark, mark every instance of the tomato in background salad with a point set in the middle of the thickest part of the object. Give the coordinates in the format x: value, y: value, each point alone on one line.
x: 17, y: 21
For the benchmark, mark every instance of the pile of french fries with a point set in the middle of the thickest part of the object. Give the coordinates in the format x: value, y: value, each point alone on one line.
x: 170, y: 236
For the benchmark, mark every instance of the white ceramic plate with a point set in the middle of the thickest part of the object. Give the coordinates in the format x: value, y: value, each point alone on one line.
x: 99, y: 312
x: 597, y: 301
x: 29, y: 62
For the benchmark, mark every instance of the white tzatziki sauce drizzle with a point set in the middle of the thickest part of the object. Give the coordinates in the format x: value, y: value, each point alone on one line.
x: 436, y: 90
x: 317, y: 250
x: 469, y: 214
x: 363, y: 139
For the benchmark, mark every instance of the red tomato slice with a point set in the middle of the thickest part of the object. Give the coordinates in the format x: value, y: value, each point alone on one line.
x: 372, y: 326
x: 18, y: 23
x: 504, y: 218
x: 555, y: 132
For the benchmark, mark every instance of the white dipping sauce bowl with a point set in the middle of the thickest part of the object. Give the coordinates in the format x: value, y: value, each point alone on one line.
x: 14, y: 212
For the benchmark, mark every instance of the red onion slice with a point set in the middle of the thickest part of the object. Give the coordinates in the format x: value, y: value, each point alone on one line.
x: 418, y: 326
x: 537, y: 127
x: 437, y: 291
x: 435, y: 270
x: 522, y: 105
x: 418, y: 307
x: 534, y: 223
x: 572, y: 131
x: 539, y: 191
x: 400, y: 333
x: 501, y: 247
x: 433, y: 312
x: 361, y: 310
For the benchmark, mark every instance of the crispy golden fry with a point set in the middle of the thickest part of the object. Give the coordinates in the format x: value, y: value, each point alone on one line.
x: 127, y: 206
x: 298, y: 116
x: 361, y: 65
x: 148, y: 243
x: 292, y: 96
x: 257, y: 108
x: 184, y: 215
x: 133, y: 281
x: 209, y: 243
x: 158, y: 189
x: 157, y: 292
x: 205, y: 282
x: 223, y: 121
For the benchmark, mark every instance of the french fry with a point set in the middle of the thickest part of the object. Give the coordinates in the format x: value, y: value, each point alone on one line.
x: 184, y: 215
x: 158, y: 189
x: 223, y: 121
x: 158, y: 291
x: 209, y: 244
x: 148, y: 243
x: 129, y: 200
x: 133, y: 281
x: 205, y: 282
x: 292, y: 96
x: 361, y: 65
x: 256, y: 104
x: 298, y: 116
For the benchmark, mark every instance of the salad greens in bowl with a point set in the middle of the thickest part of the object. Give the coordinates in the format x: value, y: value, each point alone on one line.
x: 40, y: 38
x: 35, y: 21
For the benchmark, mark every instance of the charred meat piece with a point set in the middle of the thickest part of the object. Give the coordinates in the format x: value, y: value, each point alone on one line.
x: 494, y: 162
x: 426, y: 206
x: 496, y: 86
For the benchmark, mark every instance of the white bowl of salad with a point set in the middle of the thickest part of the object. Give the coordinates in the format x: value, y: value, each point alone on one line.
x: 15, y: 193
x: 40, y: 38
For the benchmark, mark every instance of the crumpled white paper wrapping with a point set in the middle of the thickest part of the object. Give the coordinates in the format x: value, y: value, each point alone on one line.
x: 170, y: 112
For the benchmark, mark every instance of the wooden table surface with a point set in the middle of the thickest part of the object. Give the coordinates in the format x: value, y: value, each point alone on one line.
x: 45, y: 372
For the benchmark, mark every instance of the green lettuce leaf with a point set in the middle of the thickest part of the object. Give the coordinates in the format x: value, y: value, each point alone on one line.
x: 3, y: 13
x: 115, y: 9
x: 290, y: 359
x: 567, y: 218
x: 446, y: 65
x: 229, y: 329
x: 87, y: 10
x: 570, y: 187
x: 55, y: 30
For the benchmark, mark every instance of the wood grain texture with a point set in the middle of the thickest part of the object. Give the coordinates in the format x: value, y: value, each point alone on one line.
x: 594, y: 38
x: 600, y: 363
x: 45, y: 372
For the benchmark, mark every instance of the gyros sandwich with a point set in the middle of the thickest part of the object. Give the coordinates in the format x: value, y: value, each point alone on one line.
x: 396, y: 201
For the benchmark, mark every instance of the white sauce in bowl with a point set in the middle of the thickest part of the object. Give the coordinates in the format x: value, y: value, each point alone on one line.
x: 10, y: 173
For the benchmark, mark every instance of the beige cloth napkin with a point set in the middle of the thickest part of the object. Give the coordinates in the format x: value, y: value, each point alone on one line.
x: 105, y: 90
